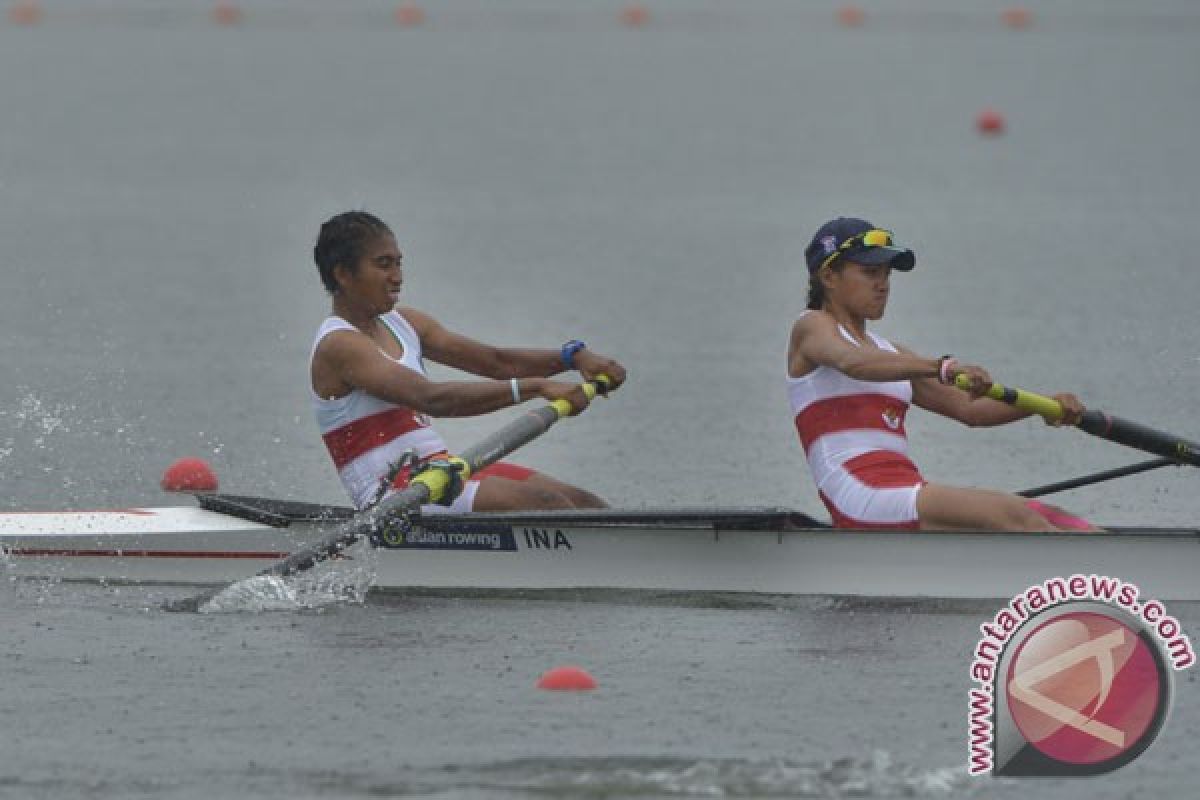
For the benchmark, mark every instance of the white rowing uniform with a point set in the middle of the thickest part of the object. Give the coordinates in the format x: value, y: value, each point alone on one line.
x: 853, y: 435
x: 366, y: 435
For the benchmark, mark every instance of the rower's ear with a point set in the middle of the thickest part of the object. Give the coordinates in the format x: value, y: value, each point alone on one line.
x: 825, y: 276
x: 342, y: 274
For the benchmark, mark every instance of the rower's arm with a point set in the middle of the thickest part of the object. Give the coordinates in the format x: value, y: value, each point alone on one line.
x: 954, y: 403
x: 359, y: 363
x: 445, y: 346
x: 462, y: 352
x: 816, y: 341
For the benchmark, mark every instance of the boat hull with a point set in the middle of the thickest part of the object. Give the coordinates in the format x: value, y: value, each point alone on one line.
x: 195, y: 546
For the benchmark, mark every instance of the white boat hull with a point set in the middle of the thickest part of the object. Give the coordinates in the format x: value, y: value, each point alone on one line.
x: 195, y: 546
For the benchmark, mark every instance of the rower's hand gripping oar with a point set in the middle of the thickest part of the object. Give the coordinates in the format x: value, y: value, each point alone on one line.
x: 1097, y: 423
x: 428, y: 486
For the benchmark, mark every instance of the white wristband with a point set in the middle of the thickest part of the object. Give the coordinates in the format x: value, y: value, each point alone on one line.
x: 516, y: 390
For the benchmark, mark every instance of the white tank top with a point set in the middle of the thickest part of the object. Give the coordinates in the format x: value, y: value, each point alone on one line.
x: 839, y: 417
x: 364, y: 434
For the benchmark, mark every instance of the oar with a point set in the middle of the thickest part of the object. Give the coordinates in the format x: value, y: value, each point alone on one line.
x: 426, y: 487
x: 1098, y: 477
x: 1098, y: 423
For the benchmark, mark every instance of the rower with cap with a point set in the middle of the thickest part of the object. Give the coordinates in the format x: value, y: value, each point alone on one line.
x: 850, y: 390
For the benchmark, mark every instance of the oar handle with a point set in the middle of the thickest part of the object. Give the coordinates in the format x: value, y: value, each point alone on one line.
x: 1046, y: 407
x: 520, y: 431
x: 532, y: 424
x: 600, y: 384
x: 1097, y: 423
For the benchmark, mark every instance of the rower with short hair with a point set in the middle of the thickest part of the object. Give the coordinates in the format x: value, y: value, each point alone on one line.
x: 850, y: 391
x: 373, y: 399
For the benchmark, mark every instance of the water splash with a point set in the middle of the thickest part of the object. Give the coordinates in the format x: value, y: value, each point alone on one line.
x: 26, y: 590
x: 876, y: 776
x: 31, y: 428
x: 34, y: 415
x: 334, y: 581
x: 669, y: 777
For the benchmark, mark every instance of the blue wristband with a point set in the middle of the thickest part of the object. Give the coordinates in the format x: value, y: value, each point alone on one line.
x: 568, y: 352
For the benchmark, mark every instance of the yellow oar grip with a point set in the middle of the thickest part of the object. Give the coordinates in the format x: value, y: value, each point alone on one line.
x: 589, y: 388
x: 1046, y: 407
x: 464, y: 469
x: 438, y: 480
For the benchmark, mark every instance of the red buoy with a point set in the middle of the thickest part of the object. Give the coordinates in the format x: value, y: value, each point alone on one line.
x: 851, y: 16
x: 635, y: 15
x: 990, y: 122
x: 189, y: 475
x: 226, y: 13
x: 409, y: 15
x: 1017, y: 17
x: 25, y: 12
x: 566, y: 679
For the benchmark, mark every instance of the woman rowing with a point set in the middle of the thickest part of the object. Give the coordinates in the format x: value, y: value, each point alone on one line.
x: 373, y: 398
x: 850, y: 390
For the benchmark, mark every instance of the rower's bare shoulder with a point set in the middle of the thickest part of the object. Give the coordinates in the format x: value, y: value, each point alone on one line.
x: 339, y: 353
x: 808, y: 331
x: 422, y: 323
x: 813, y: 323
x: 343, y: 344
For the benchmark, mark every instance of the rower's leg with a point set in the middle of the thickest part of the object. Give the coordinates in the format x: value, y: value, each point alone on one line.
x: 579, y: 498
x: 941, y: 507
x: 537, y: 492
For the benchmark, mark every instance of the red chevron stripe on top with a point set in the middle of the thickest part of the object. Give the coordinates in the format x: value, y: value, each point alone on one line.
x: 880, y: 412
x: 363, y: 435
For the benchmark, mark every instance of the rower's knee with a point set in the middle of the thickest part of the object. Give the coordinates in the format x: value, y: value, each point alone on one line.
x: 565, y: 497
x: 582, y: 498
x: 525, y: 497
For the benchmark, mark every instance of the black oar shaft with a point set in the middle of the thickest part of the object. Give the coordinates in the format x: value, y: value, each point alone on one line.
x: 1133, y: 434
x: 1097, y: 423
x: 1097, y: 477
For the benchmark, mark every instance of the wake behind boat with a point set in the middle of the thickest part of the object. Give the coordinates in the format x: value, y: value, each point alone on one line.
x: 764, y: 551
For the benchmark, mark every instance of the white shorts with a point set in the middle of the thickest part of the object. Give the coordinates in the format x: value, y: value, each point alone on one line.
x: 466, y: 499
x: 877, y: 490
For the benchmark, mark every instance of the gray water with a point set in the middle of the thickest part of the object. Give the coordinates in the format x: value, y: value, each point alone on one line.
x: 552, y: 174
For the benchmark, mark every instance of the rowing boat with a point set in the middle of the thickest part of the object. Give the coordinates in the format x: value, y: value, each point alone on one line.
x: 769, y: 551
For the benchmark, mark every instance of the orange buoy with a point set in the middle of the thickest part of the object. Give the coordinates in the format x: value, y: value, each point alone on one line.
x: 851, y: 16
x: 635, y: 15
x: 226, y: 13
x: 1017, y: 17
x: 189, y: 475
x: 25, y: 12
x: 409, y: 15
x: 566, y: 679
x: 990, y: 122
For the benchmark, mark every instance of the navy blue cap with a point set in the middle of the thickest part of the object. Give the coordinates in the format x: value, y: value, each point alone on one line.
x: 830, y: 236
